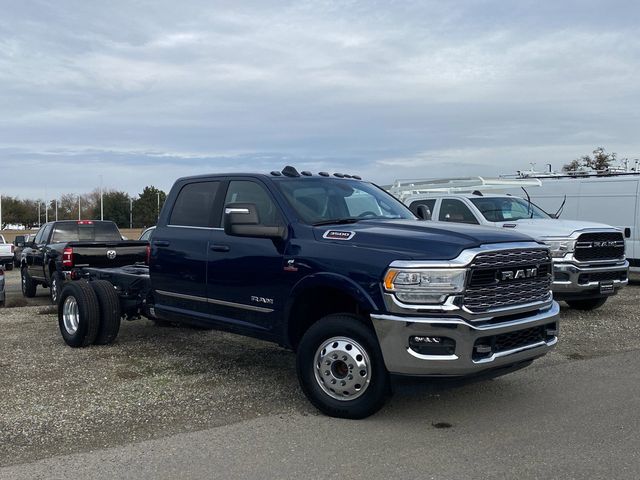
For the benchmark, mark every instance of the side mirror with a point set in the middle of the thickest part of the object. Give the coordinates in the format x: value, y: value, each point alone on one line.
x: 423, y: 212
x: 242, y: 220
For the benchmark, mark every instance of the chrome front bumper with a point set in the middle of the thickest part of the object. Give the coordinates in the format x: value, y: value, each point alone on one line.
x: 566, y: 277
x: 394, y: 333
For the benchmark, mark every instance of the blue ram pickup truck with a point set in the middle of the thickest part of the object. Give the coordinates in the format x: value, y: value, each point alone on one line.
x: 337, y: 270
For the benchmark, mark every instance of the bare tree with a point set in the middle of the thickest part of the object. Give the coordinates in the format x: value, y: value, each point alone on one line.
x: 600, y: 162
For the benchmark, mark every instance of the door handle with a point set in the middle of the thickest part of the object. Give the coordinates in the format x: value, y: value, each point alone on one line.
x: 219, y: 248
x: 161, y: 243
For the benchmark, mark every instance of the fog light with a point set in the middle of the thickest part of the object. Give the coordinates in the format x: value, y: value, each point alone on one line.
x: 426, y: 345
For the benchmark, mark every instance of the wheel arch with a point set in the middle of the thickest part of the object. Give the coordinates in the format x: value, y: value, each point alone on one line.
x: 319, y: 295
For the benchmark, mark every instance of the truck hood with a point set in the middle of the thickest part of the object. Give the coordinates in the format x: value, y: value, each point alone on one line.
x: 416, y: 239
x: 551, y: 227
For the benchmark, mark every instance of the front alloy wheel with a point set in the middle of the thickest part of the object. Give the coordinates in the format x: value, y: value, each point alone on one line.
x: 342, y: 368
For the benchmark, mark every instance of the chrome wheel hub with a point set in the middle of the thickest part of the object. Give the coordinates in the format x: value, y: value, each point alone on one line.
x: 342, y: 368
x: 70, y: 315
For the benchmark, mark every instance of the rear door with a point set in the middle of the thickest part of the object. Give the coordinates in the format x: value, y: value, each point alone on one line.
x: 180, y: 249
x: 245, y: 274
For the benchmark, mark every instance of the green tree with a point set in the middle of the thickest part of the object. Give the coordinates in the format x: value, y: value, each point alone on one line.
x: 146, y: 208
x: 116, y: 208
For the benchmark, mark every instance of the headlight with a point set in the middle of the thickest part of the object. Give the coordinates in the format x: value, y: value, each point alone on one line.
x: 560, y: 246
x: 425, y: 286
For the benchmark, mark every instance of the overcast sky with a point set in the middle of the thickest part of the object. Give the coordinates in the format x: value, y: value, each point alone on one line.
x: 144, y: 92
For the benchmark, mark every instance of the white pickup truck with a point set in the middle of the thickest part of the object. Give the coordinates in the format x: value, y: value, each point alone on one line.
x: 589, y: 262
x: 6, y: 254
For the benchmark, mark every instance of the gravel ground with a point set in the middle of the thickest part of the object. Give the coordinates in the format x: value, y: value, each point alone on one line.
x: 158, y: 381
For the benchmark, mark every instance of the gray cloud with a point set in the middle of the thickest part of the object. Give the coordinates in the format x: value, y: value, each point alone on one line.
x: 144, y: 92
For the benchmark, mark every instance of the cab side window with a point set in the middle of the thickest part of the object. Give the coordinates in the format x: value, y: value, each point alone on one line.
x: 247, y: 191
x: 452, y: 210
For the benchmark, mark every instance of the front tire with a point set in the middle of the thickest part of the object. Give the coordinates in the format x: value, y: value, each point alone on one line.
x: 28, y: 285
x: 78, y: 314
x: 341, y: 369
x: 587, y: 303
x: 57, y: 281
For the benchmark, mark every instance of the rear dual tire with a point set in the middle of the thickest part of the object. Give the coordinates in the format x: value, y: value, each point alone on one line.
x: 88, y: 313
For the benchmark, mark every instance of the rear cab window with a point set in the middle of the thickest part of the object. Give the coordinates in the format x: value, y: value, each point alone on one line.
x: 85, y: 231
x: 194, y: 206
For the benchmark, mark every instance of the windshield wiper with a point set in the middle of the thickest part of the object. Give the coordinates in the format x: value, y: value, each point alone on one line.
x: 337, y: 221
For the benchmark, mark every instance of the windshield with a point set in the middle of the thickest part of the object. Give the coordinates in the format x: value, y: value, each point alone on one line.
x: 325, y: 200
x: 500, y: 209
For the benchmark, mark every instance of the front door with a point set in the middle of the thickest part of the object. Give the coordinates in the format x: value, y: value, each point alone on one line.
x: 245, y: 281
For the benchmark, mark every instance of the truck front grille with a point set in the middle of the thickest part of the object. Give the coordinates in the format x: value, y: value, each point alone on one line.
x: 508, y: 278
x: 599, y: 246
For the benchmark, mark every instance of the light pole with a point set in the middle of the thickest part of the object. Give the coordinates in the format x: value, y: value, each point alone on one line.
x: 79, y: 214
x: 130, y: 212
x: 39, y: 202
x: 56, y: 209
x: 101, y: 200
x: 158, y: 193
